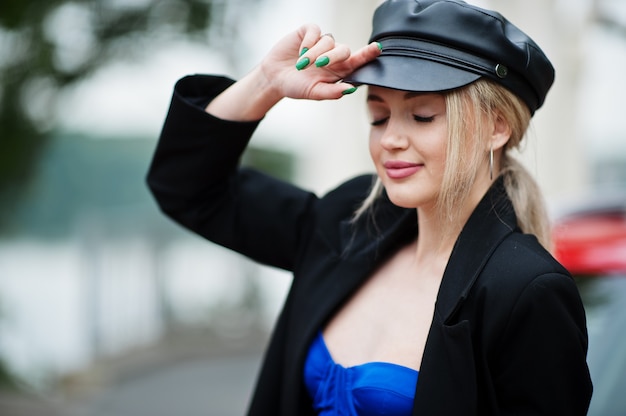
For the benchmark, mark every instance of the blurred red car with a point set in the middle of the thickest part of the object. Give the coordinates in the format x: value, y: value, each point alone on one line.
x: 591, y: 244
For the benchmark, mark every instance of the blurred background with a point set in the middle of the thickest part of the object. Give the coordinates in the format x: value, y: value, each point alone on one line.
x: 106, y: 307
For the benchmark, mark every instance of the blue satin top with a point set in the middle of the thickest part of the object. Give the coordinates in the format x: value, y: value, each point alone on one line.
x: 369, y: 389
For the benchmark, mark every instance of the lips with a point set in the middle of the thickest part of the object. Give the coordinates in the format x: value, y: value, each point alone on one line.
x: 397, y: 169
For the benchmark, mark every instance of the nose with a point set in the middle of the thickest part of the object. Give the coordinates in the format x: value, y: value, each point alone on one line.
x: 394, y: 137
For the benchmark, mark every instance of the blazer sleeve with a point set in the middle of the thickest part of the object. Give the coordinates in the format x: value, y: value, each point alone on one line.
x: 542, y: 368
x: 195, y: 178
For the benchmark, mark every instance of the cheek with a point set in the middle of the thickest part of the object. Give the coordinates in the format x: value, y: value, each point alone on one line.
x: 374, y: 147
x: 441, y: 158
x: 435, y: 154
x: 441, y: 153
x: 439, y: 144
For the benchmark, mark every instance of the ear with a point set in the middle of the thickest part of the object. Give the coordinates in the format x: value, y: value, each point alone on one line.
x: 501, y: 131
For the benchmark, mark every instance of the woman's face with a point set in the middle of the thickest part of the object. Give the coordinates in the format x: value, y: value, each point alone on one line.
x: 408, y: 144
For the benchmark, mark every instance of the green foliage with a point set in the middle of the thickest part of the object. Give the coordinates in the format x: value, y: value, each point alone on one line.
x: 49, y: 45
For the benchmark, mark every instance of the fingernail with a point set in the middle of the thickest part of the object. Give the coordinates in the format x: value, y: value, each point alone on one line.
x: 303, y: 51
x: 302, y: 63
x: 349, y: 91
x: 321, y: 61
x: 380, y: 46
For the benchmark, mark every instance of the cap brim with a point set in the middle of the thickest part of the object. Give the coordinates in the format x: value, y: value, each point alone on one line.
x: 410, y: 74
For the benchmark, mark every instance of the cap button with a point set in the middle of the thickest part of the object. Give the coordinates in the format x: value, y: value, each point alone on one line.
x: 502, y: 71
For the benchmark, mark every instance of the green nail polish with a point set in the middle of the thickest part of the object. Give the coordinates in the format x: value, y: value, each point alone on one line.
x: 303, y: 51
x: 302, y: 63
x: 349, y: 91
x: 321, y: 61
x: 380, y: 46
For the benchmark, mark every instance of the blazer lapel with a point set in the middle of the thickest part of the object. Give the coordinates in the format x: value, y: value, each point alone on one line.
x: 492, y: 220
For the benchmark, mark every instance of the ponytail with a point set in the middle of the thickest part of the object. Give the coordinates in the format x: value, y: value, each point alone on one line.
x: 529, y: 205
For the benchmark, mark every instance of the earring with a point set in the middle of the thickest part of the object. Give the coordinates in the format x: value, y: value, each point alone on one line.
x: 491, y: 163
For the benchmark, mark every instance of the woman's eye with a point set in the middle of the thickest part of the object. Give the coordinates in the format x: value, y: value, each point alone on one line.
x: 380, y: 121
x: 423, y: 119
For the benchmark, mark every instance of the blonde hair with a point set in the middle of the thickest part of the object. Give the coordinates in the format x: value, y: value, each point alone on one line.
x: 466, y: 108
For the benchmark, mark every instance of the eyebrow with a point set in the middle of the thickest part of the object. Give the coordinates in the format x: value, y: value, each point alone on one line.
x: 410, y: 95
x: 407, y: 96
x: 372, y: 97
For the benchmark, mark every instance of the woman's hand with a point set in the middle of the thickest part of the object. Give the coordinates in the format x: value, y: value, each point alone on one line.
x: 303, y: 65
x: 309, y: 65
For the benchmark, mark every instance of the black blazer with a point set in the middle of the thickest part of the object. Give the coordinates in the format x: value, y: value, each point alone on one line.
x: 508, y: 334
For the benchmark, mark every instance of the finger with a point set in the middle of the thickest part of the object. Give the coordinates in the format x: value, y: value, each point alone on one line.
x: 342, y: 62
x: 307, y: 56
x: 364, y: 55
x: 310, y: 35
x: 331, y: 91
x: 333, y: 56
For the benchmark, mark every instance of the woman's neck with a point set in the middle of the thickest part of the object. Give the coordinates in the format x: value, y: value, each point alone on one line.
x: 436, y: 239
x: 437, y: 235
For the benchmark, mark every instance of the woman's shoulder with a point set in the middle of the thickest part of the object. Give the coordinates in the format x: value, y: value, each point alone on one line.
x: 522, y: 276
x: 521, y: 261
x: 526, y: 249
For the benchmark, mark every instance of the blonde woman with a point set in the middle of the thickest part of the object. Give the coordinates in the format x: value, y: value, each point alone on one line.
x: 426, y: 288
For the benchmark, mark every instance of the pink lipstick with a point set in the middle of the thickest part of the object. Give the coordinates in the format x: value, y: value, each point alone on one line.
x: 397, y: 169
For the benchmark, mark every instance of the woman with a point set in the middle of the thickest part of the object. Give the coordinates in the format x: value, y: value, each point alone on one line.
x: 429, y: 293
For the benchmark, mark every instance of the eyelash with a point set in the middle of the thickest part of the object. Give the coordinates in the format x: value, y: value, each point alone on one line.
x: 417, y: 118
x: 422, y: 119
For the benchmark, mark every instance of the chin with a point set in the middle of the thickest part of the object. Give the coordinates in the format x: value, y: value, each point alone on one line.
x: 405, y: 201
x: 411, y: 195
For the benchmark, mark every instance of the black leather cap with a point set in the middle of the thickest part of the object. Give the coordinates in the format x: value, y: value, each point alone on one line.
x: 439, y: 45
